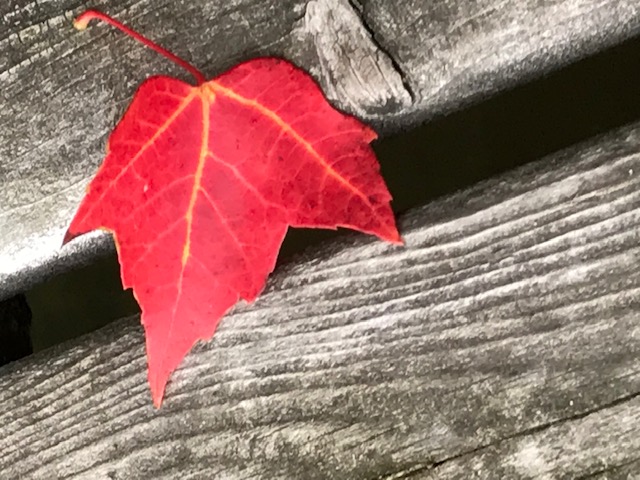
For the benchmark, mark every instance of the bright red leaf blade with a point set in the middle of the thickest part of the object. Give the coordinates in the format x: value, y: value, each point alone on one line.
x: 200, y: 184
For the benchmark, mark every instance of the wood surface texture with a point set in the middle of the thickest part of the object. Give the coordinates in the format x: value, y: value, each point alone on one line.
x: 503, y: 341
x: 391, y: 63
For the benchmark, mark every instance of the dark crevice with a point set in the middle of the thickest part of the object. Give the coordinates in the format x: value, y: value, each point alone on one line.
x: 609, y: 469
x: 420, y: 469
x: 408, y: 472
x: 531, y: 431
x: 359, y: 11
x: 15, y: 329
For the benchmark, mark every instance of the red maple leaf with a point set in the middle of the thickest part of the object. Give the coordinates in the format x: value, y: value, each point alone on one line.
x: 200, y: 184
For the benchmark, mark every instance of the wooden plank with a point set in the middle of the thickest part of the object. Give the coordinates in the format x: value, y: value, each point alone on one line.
x: 455, y: 52
x: 391, y: 63
x: 502, y: 342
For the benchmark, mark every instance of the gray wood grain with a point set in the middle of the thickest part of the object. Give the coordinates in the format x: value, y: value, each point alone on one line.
x: 391, y: 63
x: 503, y: 341
x: 455, y: 51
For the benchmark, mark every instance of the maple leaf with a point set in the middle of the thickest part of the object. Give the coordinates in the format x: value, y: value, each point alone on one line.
x: 200, y: 184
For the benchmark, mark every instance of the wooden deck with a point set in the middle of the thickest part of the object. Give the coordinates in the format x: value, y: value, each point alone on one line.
x: 502, y: 342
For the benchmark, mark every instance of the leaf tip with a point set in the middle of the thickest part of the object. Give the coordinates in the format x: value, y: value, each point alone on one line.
x: 157, y: 401
x: 157, y: 384
x: 68, y: 236
x: 396, y: 240
x: 370, y: 134
x: 392, y: 235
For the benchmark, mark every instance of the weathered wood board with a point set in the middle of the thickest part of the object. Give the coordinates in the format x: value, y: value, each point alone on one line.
x: 391, y: 63
x: 502, y: 342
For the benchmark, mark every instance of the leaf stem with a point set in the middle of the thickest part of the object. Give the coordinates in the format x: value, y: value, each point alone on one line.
x: 83, y: 20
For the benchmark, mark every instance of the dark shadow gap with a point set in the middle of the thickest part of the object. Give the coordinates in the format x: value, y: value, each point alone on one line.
x: 448, y: 154
x: 15, y: 329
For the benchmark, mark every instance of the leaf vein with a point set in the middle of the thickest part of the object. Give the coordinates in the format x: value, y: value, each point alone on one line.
x: 275, y: 118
